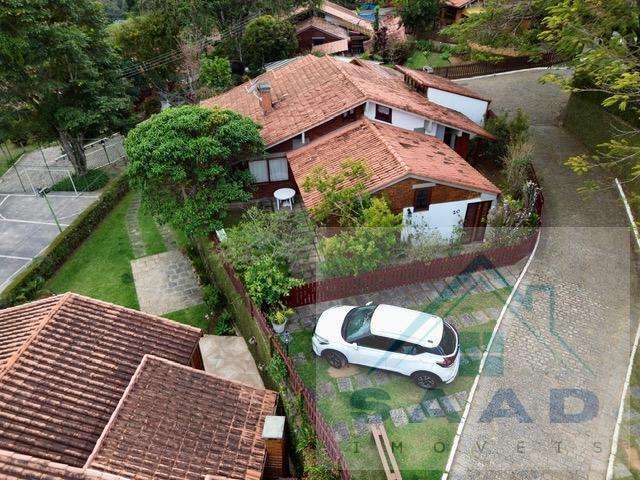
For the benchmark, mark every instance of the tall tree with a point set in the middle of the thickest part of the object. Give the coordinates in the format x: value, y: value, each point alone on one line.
x: 420, y: 16
x: 58, y: 73
x: 182, y: 160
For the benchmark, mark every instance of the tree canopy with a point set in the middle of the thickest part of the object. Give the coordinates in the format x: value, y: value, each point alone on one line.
x: 215, y: 73
x: 58, y: 74
x: 418, y: 15
x: 267, y: 39
x: 182, y: 161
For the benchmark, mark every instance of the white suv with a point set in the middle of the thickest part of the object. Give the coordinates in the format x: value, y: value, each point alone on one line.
x: 405, y: 341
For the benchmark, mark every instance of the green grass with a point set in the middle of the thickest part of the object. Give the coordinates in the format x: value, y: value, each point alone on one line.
x: 7, y: 161
x: 425, y: 445
x: 101, y: 268
x: 150, y: 234
x: 421, y: 59
x: 193, y: 316
x: 89, y: 182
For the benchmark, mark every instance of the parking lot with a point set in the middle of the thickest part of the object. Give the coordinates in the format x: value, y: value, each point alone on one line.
x: 28, y: 226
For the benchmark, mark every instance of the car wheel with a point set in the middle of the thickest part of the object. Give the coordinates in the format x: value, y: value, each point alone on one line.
x: 335, y: 359
x: 426, y: 380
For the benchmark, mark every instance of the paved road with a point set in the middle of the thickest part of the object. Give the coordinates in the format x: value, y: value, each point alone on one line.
x: 568, y: 333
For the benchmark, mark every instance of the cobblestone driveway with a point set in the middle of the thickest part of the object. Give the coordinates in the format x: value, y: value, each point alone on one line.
x: 567, y: 334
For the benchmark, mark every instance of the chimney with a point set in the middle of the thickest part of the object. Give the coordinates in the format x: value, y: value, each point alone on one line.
x: 264, y: 92
x: 273, y: 435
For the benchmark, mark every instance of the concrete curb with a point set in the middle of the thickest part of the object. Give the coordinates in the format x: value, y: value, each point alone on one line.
x: 616, y: 430
x: 463, y: 420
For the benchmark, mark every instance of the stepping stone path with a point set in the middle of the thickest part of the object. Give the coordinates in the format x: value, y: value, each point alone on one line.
x: 374, y: 419
x: 344, y: 384
x: 621, y: 471
x: 382, y: 377
x: 634, y: 392
x: 635, y: 429
x: 450, y: 404
x: 363, y: 380
x: 461, y: 398
x: 415, y: 413
x: 399, y: 417
x: 361, y: 426
x: 432, y: 408
x: 340, y: 431
x: 299, y: 358
x: 133, y: 228
x: 474, y: 353
x: 168, y: 237
x: 326, y: 390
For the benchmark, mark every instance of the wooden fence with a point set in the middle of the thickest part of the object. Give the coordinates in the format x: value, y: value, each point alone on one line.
x: 324, y: 433
x: 474, y: 69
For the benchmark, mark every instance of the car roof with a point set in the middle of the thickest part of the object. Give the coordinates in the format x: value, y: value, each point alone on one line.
x: 408, y: 325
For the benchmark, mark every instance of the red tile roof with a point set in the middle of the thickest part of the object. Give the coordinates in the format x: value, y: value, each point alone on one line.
x: 332, y: 47
x: 311, y: 90
x: 180, y: 423
x: 347, y: 18
x: 390, y: 153
x: 17, y: 324
x: 377, y: 67
x: 459, y: 3
x: 59, y: 388
x: 322, y: 24
x: 15, y: 466
x: 429, y: 80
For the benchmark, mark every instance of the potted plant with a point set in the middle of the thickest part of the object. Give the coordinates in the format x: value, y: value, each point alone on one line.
x: 279, y: 319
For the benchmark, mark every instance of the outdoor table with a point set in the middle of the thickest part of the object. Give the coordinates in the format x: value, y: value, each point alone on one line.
x: 284, y: 196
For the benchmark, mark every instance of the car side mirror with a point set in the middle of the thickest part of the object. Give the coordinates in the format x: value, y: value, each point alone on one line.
x: 354, y: 345
x: 368, y: 303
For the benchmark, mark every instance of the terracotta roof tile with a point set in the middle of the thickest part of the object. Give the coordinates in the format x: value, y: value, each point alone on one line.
x: 178, y: 422
x: 332, y: 47
x: 60, y: 387
x: 390, y: 153
x: 434, y: 81
x: 348, y: 18
x: 15, y: 466
x: 322, y: 24
x: 312, y: 90
x: 458, y: 3
x: 377, y: 67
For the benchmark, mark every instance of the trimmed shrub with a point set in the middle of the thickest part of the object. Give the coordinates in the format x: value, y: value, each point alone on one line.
x: 27, y: 285
x: 517, y: 165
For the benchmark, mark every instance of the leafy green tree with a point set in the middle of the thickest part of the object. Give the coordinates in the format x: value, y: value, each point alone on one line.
x: 419, y: 16
x: 182, y: 161
x: 268, y: 281
x: 344, y: 194
x: 144, y: 38
x: 215, y: 73
x: 58, y: 74
x: 267, y: 39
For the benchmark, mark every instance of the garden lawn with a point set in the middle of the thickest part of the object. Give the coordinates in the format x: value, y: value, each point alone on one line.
x: 193, y: 316
x: 101, y: 266
x: 6, y: 161
x: 421, y: 448
x: 421, y: 59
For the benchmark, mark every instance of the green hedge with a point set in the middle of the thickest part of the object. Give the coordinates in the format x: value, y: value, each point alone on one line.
x: 28, y: 284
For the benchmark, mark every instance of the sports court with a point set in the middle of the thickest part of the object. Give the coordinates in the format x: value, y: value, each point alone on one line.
x: 27, y: 226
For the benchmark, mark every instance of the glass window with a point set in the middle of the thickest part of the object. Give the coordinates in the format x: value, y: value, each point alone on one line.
x: 421, y: 198
x: 278, y: 169
x: 379, y: 343
x: 259, y: 171
x: 357, y: 323
x: 383, y: 113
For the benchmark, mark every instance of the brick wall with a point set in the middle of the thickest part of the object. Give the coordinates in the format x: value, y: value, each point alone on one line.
x: 400, y: 195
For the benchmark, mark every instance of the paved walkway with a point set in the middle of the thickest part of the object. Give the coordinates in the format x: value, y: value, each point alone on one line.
x: 229, y: 357
x: 568, y: 332
x: 133, y: 227
x: 165, y: 283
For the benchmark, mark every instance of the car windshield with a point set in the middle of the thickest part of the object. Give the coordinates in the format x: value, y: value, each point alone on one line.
x: 357, y: 323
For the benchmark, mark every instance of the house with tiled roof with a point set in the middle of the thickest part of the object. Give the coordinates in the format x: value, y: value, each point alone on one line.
x: 452, y: 11
x: 311, y: 101
x: 208, y: 425
x: 74, y: 370
x: 330, y: 28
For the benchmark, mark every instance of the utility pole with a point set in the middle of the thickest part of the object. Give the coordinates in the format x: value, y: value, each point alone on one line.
x: 43, y: 194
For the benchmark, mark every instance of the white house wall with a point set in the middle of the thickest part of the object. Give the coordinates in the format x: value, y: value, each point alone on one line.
x: 473, y: 108
x: 402, y: 119
x: 444, y: 218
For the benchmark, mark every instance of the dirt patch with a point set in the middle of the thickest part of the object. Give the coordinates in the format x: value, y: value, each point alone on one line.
x: 343, y: 372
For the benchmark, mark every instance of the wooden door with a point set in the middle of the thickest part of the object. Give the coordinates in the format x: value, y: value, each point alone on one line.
x: 475, y: 221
